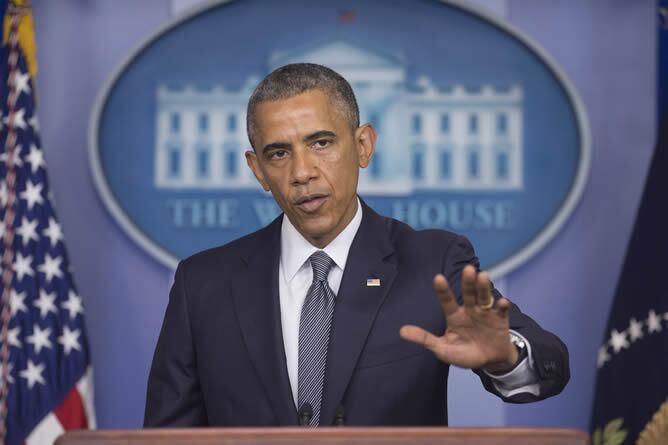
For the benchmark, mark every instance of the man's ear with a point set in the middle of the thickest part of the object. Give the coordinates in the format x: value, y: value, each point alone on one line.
x: 252, y: 161
x: 365, y: 138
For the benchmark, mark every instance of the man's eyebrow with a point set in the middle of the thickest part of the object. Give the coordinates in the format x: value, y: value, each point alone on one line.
x: 309, y: 137
x: 319, y: 134
x: 275, y: 146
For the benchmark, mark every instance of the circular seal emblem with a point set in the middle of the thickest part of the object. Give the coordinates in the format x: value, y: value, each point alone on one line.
x: 479, y: 131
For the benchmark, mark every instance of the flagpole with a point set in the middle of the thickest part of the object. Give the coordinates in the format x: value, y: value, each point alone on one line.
x: 15, y: 13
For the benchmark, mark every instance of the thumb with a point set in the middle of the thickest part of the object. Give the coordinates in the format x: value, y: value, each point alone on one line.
x: 419, y: 336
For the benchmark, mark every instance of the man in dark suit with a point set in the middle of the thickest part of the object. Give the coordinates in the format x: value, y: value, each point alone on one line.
x: 314, y: 318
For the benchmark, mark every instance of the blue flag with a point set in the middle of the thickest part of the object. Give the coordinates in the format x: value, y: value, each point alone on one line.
x: 632, y: 385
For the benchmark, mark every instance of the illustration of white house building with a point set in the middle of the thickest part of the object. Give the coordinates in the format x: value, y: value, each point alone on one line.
x: 429, y: 138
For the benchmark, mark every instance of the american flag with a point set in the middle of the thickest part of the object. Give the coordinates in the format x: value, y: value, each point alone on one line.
x: 45, y: 369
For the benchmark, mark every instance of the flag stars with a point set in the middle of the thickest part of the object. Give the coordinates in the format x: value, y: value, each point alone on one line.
x: 653, y: 322
x: 32, y: 194
x: 34, y: 123
x: 635, y: 329
x: 22, y: 266
x: 13, y: 337
x: 28, y: 230
x: 19, y: 119
x: 33, y: 374
x: 603, y: 356
x: 40, y: 338
x: 51, y: 267
x: 46, y: 303
x: 17, y: 302
x: 35, y: 158
x: 18, y: 162
x: 618, y: 340
x: 74, y: 305
x: 53, y: 232
x: 634, y: 333
x: 70, y: 340
x: 22, y: 83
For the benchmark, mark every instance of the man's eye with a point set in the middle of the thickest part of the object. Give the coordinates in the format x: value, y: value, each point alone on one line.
x: 279, y: 154
x: 323, y: 143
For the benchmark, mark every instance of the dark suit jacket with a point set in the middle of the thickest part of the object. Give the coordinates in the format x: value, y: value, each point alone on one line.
x: 220, y: 358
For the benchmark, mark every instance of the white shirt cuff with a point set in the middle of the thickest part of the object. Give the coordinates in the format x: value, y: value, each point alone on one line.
x: 522, y: 378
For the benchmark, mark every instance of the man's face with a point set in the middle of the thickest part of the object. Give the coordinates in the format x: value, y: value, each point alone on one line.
x: 308, y: 156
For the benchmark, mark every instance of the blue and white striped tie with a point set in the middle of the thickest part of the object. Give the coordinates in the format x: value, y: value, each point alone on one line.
x: 314, y: 326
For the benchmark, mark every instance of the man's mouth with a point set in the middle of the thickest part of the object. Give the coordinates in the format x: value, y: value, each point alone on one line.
x: 310, y: 203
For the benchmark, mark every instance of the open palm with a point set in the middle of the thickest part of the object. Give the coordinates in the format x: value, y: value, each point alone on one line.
x: 477, y: 331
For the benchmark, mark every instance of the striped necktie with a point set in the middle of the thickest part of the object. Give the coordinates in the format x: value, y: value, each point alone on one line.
x: 314, y: 325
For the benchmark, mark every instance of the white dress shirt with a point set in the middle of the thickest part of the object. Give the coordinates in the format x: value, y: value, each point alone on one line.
x: 295, y: 277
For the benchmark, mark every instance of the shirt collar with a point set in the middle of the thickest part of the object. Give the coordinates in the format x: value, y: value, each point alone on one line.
x: 295, y: 249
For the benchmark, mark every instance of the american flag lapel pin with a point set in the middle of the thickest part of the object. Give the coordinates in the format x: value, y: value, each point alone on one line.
x: 373, y: 282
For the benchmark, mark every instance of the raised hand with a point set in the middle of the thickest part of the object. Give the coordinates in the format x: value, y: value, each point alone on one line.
x: 477, y: 332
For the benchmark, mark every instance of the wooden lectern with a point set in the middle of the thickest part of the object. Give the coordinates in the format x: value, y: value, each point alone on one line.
x: 329, y: 436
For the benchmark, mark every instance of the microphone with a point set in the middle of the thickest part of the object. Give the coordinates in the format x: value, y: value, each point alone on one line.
x: 305, y: 413
x: 339, y: 416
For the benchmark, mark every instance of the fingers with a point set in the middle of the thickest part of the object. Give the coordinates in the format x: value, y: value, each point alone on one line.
x: 445, y: 295
x: 476, y: 291
x: 469, y: 286
x: 484, y: 297
x: 419, y: 336
x: 502, y: 307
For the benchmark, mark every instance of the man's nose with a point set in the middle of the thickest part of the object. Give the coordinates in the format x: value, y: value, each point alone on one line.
x: 304, y: 167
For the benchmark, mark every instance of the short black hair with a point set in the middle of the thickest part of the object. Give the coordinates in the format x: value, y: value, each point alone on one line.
x: 297, y: 78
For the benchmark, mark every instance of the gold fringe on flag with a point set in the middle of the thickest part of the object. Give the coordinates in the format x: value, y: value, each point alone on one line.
x: 656, y: 431
x: 26, y: 34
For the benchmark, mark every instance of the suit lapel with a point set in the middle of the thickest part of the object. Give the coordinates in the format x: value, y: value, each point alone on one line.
x: 357, y: 304
x: 258, y: 310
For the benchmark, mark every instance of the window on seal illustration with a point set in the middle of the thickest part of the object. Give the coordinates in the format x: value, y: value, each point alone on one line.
x: 203, y: 151
x: 473, y: 161
x: 445, y: 123
x: 445, y: 161
x: 502, y: 162
x: 502, y: 165
x: 231, y: 123
x: 416, y: 123
x: 374, y: 165
x: 418, y: 167
x: 230, y: 159
x: 174, y: 159
x: 203, y: 123
x: 502, y: 124
x: 473, y: 124
x: 174, y: 123
x: 374, y: 119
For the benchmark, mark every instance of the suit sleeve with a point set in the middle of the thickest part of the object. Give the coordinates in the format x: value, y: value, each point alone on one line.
x: 549, y: 353
x: 174, y: 397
